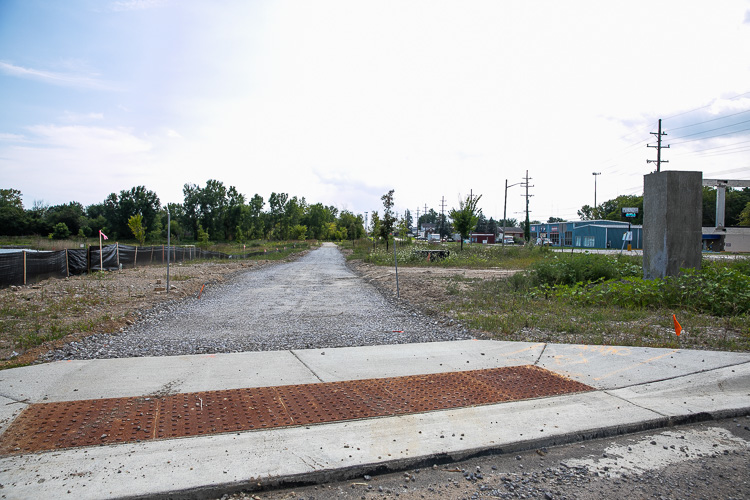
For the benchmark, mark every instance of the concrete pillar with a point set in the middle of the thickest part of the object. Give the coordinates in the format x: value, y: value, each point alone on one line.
x: 721, y: 194
x: 672, y: 216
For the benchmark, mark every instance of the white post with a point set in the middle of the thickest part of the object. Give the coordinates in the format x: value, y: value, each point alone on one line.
x: 101, y: 258
x: 169, y: 233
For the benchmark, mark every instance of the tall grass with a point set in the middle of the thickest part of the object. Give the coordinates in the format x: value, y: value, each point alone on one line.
x: 603, y: 299
x: 474, y: 256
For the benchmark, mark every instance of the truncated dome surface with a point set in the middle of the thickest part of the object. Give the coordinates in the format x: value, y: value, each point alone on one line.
x: 51, y: 426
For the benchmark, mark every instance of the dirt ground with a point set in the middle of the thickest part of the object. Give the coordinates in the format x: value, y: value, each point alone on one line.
x: 111, y: 298
x: 114, y: 297
x: 423, y: 287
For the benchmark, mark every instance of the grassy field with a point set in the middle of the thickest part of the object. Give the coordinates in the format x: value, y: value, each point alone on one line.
x: 103, y: 302
x: 588, y: 298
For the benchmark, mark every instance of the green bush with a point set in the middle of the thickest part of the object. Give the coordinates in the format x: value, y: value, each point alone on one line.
x: 716, y: 290
x: 60, y: 231
x: 568, y: 269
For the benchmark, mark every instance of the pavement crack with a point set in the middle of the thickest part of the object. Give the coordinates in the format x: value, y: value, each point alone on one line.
x: 15, y: 401
x: 306, y: 366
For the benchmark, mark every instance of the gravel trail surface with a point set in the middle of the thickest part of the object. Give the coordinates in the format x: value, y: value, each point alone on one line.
x: 313, y: 302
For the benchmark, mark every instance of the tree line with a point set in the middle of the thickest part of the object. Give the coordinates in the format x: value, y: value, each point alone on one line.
x: 218, y: 213
x: 211, y: 212
x: 737, y: 208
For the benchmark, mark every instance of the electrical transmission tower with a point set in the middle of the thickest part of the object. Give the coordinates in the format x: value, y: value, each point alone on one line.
x: 658, y: 147
x: 527, y: 228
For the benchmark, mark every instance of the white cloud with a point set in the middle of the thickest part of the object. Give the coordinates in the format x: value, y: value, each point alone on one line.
x: 56, y: 78
x: 72, y: 117
x: 94, y: 140
x: 13, y: 138
x: 128, y: 5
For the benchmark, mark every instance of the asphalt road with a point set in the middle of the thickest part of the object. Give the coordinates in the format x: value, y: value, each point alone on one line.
x: 703, y: 460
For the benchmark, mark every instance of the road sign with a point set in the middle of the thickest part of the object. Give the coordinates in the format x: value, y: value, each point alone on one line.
x: 630, y: 211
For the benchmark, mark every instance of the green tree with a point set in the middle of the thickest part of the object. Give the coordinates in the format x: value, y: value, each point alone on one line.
x: 11, y: 198
x: 255, y: 217
x: 466, y: 216
x: 403, y: 229
x: 612, y: 209
x: 375, y: 226
x: 202, y: 237
x: 408, y: 219
x: 389, y: 219
x: 61, y: 231
x: 233, y: 214
x: 135, y: 223
x: 14, y: 221
x: 299, y: 232
x: 136, y: 200
x: 239, y: 235
x: 276, y: 203
x: 353, y: 224
x: 72, y: 214
x: 431, y: 217
x: 744, y: 218
x: 736, y: 201
x: 317, y: 219
x: 191, y: 208
x: 213, y: 204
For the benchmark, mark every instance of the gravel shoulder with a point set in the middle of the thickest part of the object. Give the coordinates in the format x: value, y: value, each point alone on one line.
x: 108, y: 302
x: 312, y: 302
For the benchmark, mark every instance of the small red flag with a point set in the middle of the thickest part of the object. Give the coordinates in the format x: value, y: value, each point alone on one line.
x: 677, y: 327
x: 103, y: 235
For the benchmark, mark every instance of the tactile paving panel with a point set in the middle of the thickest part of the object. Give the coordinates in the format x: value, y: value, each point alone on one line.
x: 52, y: 426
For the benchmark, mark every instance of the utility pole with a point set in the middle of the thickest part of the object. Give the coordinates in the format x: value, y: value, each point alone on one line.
x: 442, y: 216
x: 505, y: 206
x: 527, y: 229
x: 595, y: 174
x: 658, y: 147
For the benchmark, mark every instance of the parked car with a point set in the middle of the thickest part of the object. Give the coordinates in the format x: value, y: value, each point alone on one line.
x: 543, y: 241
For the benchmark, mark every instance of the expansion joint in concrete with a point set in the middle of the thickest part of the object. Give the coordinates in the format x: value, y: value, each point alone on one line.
x: 306, y: 366
x: 541, y: 353
x: 608, y: 393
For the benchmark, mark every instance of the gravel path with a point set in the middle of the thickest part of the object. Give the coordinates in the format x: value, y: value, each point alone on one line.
x: 313, y: 302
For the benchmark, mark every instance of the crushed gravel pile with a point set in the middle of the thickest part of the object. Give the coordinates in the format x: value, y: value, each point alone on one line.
x: 314, y: 302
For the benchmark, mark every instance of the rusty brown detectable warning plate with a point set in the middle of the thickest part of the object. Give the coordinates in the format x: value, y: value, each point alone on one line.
x: 58, y: 425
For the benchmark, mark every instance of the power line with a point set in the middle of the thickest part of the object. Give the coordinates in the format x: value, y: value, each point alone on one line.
x: 711, y: 130
x: 715, y: 147
x: 711, y: 137
x: 711, y: 120
x: 706, y: 106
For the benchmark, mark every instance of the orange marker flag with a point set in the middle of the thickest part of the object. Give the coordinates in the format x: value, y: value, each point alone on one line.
x: 677, y: 327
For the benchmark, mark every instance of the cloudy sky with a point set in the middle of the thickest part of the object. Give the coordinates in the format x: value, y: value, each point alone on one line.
x: 340, y: 101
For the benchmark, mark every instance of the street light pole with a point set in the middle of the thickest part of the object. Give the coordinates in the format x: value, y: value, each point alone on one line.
x: 505, y: 206
x: 595, y: 174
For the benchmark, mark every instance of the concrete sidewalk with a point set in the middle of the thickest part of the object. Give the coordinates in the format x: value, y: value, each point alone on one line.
x: 637, y: 389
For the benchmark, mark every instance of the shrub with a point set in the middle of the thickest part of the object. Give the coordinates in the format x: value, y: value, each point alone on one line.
x: 569, y: 269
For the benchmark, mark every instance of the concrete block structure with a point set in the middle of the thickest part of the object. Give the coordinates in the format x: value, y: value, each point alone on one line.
x: 672, y: 214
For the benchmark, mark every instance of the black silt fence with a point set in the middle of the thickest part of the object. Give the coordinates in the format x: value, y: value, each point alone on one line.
x: 26, y: 267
